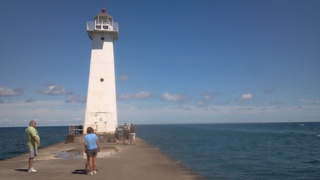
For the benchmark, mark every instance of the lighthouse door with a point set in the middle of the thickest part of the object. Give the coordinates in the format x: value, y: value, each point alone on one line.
x: 101, y: 120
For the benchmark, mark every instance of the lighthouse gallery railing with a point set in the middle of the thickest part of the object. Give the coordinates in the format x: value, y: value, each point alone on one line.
x: 104, y: 26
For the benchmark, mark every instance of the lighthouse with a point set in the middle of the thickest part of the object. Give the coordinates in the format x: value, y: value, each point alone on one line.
x: 101, y: 107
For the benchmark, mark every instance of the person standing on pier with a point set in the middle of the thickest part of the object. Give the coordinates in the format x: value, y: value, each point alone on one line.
x: 116, y: 136
x: 132, y: 135
x: 127, y: 135
x: 125, y: 128
x: 33, y: 142
x: 91, y: 145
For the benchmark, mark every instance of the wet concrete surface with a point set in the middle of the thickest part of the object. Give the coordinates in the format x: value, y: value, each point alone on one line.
x: 80, y: 154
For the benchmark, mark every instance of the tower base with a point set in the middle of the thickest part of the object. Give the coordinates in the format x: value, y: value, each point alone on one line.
x: 78, y: 138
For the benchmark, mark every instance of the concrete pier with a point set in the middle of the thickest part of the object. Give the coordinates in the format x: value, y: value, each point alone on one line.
x: 67, y: 161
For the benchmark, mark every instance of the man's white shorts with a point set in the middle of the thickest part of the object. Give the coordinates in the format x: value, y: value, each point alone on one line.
x: 33, y: 153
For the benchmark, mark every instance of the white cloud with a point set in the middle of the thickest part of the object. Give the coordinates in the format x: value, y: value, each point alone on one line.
x: 47, y: 113
x: 246, y: 96
x: 142, y: 95
x: 76, y: 98
x: 139, y: 95
x: 206, y: 98
x: 53, y: 90
x: 10, y: 92
x: 310, y: 101
x: 174, y: 97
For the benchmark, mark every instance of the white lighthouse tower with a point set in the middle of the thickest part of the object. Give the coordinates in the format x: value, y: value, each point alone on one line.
x: 101, y: 109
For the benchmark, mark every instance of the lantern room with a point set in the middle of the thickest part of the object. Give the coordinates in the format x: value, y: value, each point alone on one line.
x: 103, y: 22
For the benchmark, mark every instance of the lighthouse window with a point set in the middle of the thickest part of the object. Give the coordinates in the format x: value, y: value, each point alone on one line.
x: 101, y: 80
x: 102, y: 38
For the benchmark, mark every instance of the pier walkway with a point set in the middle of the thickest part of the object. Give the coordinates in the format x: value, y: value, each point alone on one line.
x: 67, y: 161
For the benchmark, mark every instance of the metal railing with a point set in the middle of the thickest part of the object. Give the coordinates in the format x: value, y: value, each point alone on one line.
x: 75, y: 129
x: 102, y: 26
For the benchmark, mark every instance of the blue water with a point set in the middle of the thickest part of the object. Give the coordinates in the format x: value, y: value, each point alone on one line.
x: 215, y: 151
x: 13, y: 139
x: 241, y: 151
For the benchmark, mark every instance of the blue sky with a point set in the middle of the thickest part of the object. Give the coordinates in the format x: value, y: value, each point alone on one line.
x: 176, y: 61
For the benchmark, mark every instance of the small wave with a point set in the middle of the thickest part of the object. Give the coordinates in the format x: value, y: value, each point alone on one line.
x: 312, y: 162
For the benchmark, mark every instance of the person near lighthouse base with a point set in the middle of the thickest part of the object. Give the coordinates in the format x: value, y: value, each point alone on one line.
x: 91, y: 145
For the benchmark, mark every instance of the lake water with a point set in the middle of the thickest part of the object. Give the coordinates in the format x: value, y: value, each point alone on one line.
x: 215, y: 151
